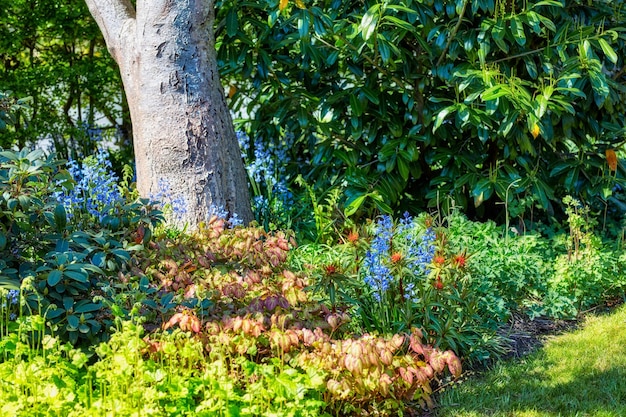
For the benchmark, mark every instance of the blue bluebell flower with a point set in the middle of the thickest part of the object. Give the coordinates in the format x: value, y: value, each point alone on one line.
x: 95, y: 191
x: 13, y: 297
x: 421, y: 255
x: 165, y: 196
x: 377, y: 274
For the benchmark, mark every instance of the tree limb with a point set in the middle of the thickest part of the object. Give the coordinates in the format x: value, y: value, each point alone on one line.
x: 453, y: 34
x: 112, y: 16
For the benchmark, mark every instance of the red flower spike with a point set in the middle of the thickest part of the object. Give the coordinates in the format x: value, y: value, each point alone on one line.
x: 460, y: 260
x: 396, y: 257
x: 330, y: 269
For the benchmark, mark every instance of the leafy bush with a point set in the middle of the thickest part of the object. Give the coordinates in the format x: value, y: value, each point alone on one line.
x: 407, y: 102
x: 586, y: 270
x: 402, y: 276
x: 65, y: 236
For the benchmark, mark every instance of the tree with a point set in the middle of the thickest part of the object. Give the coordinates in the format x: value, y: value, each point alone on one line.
x: 182, y: 130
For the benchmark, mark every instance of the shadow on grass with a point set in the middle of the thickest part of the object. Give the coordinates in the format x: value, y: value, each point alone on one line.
x: 597, y: 394
x: 581, y: 375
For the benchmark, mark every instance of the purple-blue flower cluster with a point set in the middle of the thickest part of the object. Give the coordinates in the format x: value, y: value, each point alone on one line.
x: 267, y: 172
x: 419, y: 251
x: 221, y: 213
x: 420, y: 255
x: 13, y: 297
x: 377, y: 274
x: 95, y: 191
x: 165, y: 196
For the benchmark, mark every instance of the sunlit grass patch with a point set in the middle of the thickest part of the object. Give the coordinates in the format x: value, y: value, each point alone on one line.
x: 582, y: 373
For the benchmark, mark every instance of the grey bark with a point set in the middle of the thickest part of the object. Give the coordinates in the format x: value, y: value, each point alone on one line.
x: 182, y: 130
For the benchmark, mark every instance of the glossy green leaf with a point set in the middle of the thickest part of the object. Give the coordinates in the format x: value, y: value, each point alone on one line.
x: 369, y: 22
x: 608, y: 50
x: 232, y: 24
x: 73, y: 321
x: 54, y: 277
x: 517, y: 29
x: 354, y: 205
x: 76, y: 275
x: 441, y: 116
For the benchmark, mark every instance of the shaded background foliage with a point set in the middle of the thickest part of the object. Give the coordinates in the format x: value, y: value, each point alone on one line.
x: 54, y: 53
x: 409, y: 102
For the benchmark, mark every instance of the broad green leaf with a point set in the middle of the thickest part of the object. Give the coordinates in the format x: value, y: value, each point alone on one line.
x: 553, y: 3
x: 355, y: 105
x: 608, y: 50
x: 370, y: 95
x: 549, y: 24
x: 303, y: 26
x: 68, y: 303
x: 354, y: 205
x: 383, y: 49
x: 60, y: 217
x: 86, y: 307
x: 121, y: 254
x: 508, y: 123
x: 441, y: 116
x: 498, y: 31
x: 76, y: 275
x: 11, y: 156
x: 53, y: 314
x: 54, y: 277
x: 369, y: 22
x: 517, y: 29
x: 532, y: 20
x: 403, y: 168
x: 73, y: 321
x: 232, y: 25
x: 394, y: 21
x: 497, y: 91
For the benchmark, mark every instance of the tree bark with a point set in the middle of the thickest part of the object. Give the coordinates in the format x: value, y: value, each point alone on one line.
x: 183, y: 134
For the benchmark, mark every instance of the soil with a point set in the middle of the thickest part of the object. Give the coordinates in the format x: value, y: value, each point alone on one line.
x: 526, y: 336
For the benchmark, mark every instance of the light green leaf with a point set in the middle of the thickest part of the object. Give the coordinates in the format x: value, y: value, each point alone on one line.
x: 369, y: 22
x: 608, y: 51
x: 548, y: 3
x: 441, y: 116
x: 354, y: 205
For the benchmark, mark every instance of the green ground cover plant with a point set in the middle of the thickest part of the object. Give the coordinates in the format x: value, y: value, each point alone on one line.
x: 576, y: 374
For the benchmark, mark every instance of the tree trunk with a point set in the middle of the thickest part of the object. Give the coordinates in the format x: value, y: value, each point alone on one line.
x: 182, y: 130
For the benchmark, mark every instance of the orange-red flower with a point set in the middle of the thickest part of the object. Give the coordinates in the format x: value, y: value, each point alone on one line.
x: 460, y: 260
x: 396, y: 257
x: 439, y: 260
x: 353, y: 236
x: 330, y: 269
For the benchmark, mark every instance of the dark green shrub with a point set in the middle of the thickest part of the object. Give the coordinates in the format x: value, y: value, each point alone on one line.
x: 65, y: 241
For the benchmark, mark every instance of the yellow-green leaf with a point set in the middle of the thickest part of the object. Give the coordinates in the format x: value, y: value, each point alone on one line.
x: 608, y: 50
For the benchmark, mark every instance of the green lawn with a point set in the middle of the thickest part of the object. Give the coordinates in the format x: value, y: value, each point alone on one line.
x: 582, y: 373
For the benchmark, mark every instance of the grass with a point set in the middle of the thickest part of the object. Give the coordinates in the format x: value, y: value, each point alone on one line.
x: 577, y: 374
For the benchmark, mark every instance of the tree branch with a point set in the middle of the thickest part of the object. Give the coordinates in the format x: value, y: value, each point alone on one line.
x: 112, y: 16
x: 453, y: 34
